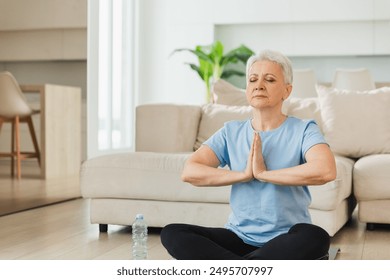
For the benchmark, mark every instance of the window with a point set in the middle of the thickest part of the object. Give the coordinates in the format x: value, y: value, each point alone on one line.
x: 111, y: 32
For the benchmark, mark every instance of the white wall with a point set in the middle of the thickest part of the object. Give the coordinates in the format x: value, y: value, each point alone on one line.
x: 164, y: 78
x: 319, y: 34
x: 44, y: 41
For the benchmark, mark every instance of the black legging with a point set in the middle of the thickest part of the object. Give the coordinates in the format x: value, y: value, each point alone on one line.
x: 190, y: 242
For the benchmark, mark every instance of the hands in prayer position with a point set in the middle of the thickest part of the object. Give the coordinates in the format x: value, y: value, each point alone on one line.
x: 255, y: 164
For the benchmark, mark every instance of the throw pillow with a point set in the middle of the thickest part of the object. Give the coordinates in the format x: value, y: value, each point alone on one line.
x: 227, y: 94
x: 303, y: 108
x: 356, y: 123
x: 215, y: 115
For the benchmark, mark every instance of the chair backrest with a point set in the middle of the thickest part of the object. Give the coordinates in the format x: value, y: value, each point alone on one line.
x: 304, y: 83
x: 353, y: 79
x: 12, y: 100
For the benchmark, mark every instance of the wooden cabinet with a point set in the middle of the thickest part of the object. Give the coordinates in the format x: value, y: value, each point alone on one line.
x: 60, y: 129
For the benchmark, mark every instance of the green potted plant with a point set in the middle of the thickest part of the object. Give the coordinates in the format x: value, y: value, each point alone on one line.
x: 212, y: 62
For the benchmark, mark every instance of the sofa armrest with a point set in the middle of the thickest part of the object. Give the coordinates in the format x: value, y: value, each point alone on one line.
x: 168, y: 128
x: 328, y: 196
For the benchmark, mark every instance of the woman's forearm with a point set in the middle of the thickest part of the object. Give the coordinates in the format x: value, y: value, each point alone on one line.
x: 201, y: 175
x: 320, y: 167
x: 301, y: 175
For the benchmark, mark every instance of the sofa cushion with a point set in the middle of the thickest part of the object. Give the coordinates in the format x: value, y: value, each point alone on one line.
x: 227, y: 94
x: 371, y: 177
x: 169, y: 128
x: 144, y: 176
x: 157, y: 176
x: 356, y: 123
x: 303, y: 108
x: 215, y: 115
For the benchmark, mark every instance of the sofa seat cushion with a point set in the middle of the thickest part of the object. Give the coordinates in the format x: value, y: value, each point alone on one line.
x: 144, y: 176
x: 156, y: 176
x: 327, y: 197
x: 372, y: 177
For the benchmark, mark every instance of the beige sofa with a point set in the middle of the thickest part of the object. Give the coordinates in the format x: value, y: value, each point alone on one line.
x: 148, y: 181
x: 371, y: 181
x: 355, y: 124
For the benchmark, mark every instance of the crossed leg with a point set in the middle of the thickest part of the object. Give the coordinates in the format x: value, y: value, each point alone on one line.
x: 186, y: 242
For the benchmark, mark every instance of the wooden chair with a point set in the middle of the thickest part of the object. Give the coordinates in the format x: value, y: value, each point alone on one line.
x: 15, y: 109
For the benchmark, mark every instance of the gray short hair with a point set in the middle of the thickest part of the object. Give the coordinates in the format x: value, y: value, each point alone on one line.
x: 276, y: 57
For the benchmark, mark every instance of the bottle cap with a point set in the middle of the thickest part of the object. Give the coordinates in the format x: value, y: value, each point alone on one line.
x: 139, y: 216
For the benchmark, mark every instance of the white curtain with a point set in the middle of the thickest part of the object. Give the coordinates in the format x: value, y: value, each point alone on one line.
x: 111, y: 82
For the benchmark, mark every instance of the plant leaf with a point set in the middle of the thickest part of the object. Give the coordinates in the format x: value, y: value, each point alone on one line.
x: 216, y: 53
x: 241, y: 53
x: 206, y: 68
x: 231, y: 72
x: 212, y: 61
x: 198, y: 52
x: 197, y: 69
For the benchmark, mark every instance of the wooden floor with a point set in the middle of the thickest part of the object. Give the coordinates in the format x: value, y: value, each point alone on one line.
x: 63, y: 231
x: 31, y: 191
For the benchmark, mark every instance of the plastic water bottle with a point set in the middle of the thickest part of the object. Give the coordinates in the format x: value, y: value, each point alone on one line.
x: 140, y: 238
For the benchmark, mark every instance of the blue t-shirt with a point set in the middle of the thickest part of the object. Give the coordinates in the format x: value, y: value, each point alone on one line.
x: 261, y: 210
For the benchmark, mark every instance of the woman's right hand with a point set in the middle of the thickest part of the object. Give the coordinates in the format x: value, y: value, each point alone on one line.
x: 248, y: 172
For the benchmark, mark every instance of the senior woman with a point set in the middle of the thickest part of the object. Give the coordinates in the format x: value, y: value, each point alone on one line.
x: 271, y: 158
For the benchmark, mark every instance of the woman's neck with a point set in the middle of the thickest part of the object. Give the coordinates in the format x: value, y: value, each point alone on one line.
x: 264, y: 120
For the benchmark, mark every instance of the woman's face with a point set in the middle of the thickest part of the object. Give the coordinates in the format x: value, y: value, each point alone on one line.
x: 265, y: 86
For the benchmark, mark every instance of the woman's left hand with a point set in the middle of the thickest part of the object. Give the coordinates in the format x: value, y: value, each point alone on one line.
x: 258, y: 165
